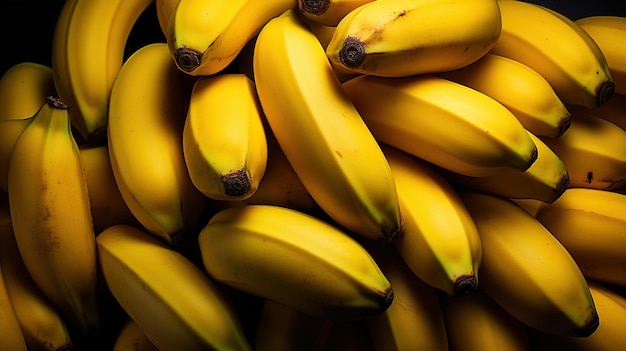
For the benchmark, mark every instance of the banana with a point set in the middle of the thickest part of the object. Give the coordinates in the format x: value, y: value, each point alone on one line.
x: 607, y: 32
x: 444, y: 254
x: 381, y: 37
x: 558, y: 49
x: 521, y: 89
x: 132, y: 338
x: 545, y: 180
x: 477, y: 322
x: 24, y: 88
x: 414, y: 321
x: 41, y: 324
x: 530, y: 205
x: 145, y: 142
x: 88, y: 46
x: 612, y: 110
x: 293, y: 258
x: 590, y: 224
x: 10, y: 131
x: 51, y: 215
x: 593, y: 152
x: 320, y: 131
x: 328, y: 12
x: 527, y: 271
x: 281, y: 328
x: 172, y: 300
x: 224, y: 142
x: 164, y: 11
x: 205, y: 36
x: 446, y: 123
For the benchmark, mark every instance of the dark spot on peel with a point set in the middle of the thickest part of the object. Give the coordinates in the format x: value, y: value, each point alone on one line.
x: 237, y: 183
x: 352, y: 52
x: 316, y: 7
x: 188, y: 59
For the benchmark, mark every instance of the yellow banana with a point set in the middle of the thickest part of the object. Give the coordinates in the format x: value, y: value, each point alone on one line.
x: 590, y: 224
x: 530, y: 205
x: 87, y: 53
x: 224, y: 140
x: 593, y: 152
x: 558, y: 49
x: 164, y: 10
x: 328, y: 12
x: 172, y: 300
x: 527, y: 271
x: 24, y: 88
x: 205, y: 36
x: 51, y: 215
x: 414, y: 321
x: 145, y: 131
x: 41, y: 324
x: 444, y: 254
x: 289, y: 257
x: 477, y: 322
x: 521, y: 89
x: 545, y: 180
x: 395, y: 38
x: 608, y: 32
x: 10, y: 131
x: 131, y: 338
x: 614, y: 110
x: 320, y: 131
x: 446, y: 123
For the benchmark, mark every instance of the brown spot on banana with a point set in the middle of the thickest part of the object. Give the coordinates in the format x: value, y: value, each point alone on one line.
x: 187, y: 59
x: 237, y: 183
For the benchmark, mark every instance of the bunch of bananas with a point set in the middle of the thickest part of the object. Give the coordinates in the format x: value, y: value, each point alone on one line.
x: 316, y: 175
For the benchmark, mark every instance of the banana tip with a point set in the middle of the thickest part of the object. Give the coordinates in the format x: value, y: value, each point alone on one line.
x: 315, y: 7
x: 387, y: 300
x: 352, y: 52
x: 237, y: 184
x: 465, y: 285
x: 187, y: 59
x: 605, y: 92
x: 55, y: 102
x: 589, y: 327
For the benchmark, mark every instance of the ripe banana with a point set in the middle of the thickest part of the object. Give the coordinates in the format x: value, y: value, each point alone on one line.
x: 558, y: 49
x: 446, y: 123
x: 593, y: 152
x: 41, y: 324
x: 328, y: 12
x: 477, y: 322
x: 612, y: 110
x: 205, y: 36
x: 131, y: 338
x: 145, y: 141
x: 224, y: 140
x: 414, y: 321
x: 590, y: 224
x: 521, y: 89
x: 321, y: 133
x: 444, y: 254
x: 164, y: 10
x: 545, y: 180
x: 10, y: 131
x: 51, y: 215
x: 24, y: 88
x: 289, y: 257
x: 527, y: 271
x: 87, y: 53
x: 381, y: 37
x: 172, y: 300
x: 608, y: 32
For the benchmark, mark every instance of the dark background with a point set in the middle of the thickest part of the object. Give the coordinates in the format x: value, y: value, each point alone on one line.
x: 27, y: 26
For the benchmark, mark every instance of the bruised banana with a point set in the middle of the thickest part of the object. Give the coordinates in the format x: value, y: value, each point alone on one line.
x: 295, y: 259
x: 328, y: 12
x: 445, y: 123
x: 558, y: 49
x: 396, y: 38
x: 24, y: 88
x: 224, y: 140
x: 320, y: 131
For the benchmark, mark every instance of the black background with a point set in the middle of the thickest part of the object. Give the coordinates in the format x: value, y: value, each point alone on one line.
x: 27, y: 26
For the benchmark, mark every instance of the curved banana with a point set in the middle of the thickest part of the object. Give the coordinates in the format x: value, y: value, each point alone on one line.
x: 164, y: 11
x: 608, y: 32
x: 48, y: 195
x: 558, y: 49
x: 328, y: 12
x: 545, y: 180
x: 24, y: 88
x: 444, y: 254
x: 145, y: 141
x: 612, y: 110
x: 87, y: 53
x: 321, y: 133
x: 446, y: 123
x: 593, y: 152
x: 527, y: 271
x: 172, y: 300
x: 224, y: 140
x: 204, y: 37
x: 521, y: 89
x: 381, y: 37
x: 10, y: 131
x: 590, y: 224
x: 131, y: 338
x: 414, y: 321
x: 301, y: 261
